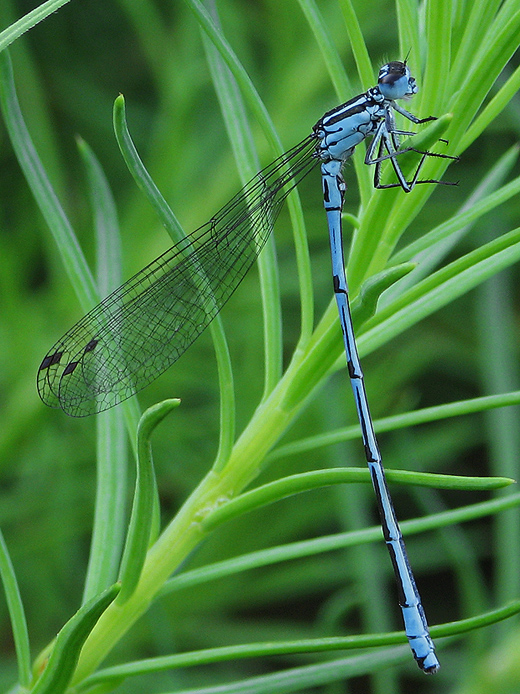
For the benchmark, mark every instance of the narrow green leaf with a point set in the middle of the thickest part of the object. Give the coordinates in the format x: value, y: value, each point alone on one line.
x: 443, y: 286
x: 411, y: 42
x: 173, y: 227
x: 258, y: 108
x: 468, y: 215
x: 145, y: 506
x: 366, y: 73
x: 292, y: 679
x: 7, y: 36
x: 106, y: 227
x: 306, y: 548
x: 140, y: 174
x: 319, y: 645
x: 364, y: 305
x: 59, y: 670
x: 479, y: 15
x: 247, y: 161
x: 16, y: 614
x: 59, y: 225
x: 399, y: 421
x: 306, y: 481
x: 438, y: 59
x: 109, y: 514
x: 339, y: 77
x: 492, y: 110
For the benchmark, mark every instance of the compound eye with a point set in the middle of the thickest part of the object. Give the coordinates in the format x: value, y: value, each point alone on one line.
x: 392, y: 72
x: 395, y: 81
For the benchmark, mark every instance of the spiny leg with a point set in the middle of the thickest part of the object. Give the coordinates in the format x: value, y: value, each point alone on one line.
x: 385, y: 139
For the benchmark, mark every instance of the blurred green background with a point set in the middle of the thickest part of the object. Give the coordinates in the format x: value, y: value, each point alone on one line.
x: 68, y: 71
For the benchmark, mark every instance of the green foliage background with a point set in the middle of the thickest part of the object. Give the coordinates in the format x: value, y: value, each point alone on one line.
x: 68, y: 71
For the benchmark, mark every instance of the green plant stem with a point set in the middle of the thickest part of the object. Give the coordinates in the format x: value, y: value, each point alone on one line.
x: 182, y: 535
x: 185, y: 531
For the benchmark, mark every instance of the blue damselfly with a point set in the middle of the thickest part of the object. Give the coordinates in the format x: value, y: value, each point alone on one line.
x: 145, y: 325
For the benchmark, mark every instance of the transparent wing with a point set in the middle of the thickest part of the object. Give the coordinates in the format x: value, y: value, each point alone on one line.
x: 146, y: 324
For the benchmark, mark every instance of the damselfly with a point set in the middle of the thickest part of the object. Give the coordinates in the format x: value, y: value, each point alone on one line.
x: 145, y: 325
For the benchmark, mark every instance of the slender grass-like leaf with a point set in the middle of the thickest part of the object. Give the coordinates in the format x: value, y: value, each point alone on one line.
x: 406, y: 419
x: 241, y: 140
x: 28, y: 21
x: 254, y: 102
x: 59, y: 669
x: 74, y: 261
x: 109, y: 515
x: 287, y: 486
x: 174, y: 229
x: 17, y: 615
x: 307, y: 548
x: 284, y: 648
x: 146, y: 506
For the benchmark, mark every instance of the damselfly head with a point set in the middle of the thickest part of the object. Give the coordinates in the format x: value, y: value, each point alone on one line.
x: 396, y: 82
